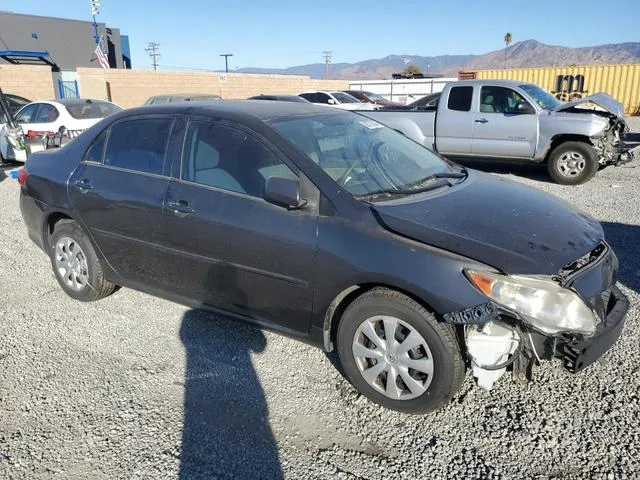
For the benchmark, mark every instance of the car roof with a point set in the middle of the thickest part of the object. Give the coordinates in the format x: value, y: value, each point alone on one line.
x: 70, y: 102
x: 236, y: 108
x: 489, y: 81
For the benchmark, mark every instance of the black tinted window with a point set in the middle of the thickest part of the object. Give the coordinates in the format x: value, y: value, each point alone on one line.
x: 26, y: 114
x: 322, y: 98
x: 460, y: 99
x: 46, y: 114
x: 94, y: 154
x: 229, y: 159
x: 139, y: 144
x: 308, y: 96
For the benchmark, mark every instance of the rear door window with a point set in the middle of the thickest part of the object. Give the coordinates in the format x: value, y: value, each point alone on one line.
x: 46, y: 114
x: 460, y: 99
x: 309, y: 96
x: 139, y: 144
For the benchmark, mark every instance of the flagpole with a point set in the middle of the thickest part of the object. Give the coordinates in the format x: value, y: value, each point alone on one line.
x: 95, y: 6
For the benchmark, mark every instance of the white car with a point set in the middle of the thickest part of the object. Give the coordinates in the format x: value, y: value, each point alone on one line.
x: 336, y: 99
x: 39, y: 119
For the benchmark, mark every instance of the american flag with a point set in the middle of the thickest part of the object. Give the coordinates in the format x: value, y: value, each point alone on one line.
x: 102, y: 53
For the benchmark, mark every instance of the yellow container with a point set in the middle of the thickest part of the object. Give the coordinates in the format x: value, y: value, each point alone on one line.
x: 622, y: 81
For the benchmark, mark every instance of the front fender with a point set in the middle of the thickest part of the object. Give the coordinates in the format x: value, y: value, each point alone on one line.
x: 558, y: 124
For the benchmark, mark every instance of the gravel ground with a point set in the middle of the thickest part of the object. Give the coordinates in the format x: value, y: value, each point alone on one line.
x: 137, y: 387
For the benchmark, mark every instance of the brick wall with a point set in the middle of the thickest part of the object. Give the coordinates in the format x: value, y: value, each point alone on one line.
x: 131, y: 88
x: 29, y: 81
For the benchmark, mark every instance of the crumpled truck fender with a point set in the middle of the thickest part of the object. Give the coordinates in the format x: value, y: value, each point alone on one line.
x: 553, y: 126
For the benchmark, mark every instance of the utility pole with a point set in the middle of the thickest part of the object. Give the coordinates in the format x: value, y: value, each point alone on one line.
x: 327, y: 62
x: 153, y: 49
x: 226, y: 60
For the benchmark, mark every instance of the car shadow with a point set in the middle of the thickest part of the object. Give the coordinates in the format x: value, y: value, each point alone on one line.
x: 623, y: 238
x: 226, y: 431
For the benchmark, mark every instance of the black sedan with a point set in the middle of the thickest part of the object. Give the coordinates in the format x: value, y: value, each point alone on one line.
x: 330, y: 228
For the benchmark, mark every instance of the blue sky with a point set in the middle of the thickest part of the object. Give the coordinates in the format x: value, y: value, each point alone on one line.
x: 282, y: 33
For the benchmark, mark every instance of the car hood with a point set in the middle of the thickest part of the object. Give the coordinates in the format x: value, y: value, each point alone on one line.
x: 507, y: 225
x: 602, y: 100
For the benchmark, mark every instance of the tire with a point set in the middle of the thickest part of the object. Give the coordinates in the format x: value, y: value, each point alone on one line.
x: 433, y: 386
x: 83, y: 278
x: 572, y: 163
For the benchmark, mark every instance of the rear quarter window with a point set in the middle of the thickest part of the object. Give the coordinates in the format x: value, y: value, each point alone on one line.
x: 460, y: 99
x: 139, y: 144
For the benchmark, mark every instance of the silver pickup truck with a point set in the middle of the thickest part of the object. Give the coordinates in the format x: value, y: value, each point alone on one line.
x: 502, y: 119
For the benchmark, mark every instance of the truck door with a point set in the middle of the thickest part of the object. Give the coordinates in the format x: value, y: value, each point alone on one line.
x: 500, y: 129
x: 454, y: 122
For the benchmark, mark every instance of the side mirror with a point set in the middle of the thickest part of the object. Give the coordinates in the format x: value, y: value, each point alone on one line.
x: 331, y: 101
x: 284, y: 192
x: 525, y: 108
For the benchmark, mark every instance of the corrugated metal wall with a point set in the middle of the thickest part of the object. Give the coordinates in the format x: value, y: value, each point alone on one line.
x: 620, y: 81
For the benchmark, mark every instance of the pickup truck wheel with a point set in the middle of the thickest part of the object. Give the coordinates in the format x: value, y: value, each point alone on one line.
x: 572, y: 163
x: 76, y: 265
x: 397, y: 354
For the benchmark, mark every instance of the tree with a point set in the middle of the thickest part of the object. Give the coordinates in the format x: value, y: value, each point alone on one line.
x: 507, y: 42
x: 412, y: 70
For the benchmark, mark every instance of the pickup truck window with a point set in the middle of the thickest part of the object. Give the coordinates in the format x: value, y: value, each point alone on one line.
x: 543, y: 98
x: 460, y: 99
x: 359, y: 154
x: 499, y: 100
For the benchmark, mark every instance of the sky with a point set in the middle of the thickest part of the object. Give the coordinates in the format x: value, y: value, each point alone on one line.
x: 282, y: 33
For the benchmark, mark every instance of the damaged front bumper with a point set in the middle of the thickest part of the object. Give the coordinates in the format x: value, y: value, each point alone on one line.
x: 578, y: 354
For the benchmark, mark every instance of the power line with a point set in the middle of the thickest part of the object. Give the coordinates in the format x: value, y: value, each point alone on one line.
x: 327, y: 62
x: 153, y: 49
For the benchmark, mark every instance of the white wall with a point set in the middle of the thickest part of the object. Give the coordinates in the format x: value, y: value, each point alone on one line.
x: 403, y: 90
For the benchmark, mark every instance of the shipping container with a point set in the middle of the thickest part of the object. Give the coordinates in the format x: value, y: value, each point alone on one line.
x: 568, y: 83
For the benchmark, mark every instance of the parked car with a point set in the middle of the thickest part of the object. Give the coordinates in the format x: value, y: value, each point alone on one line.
x: 280, y: 98
x: 510, y: 120
x: 40, y: 119
x: 332, y: 229
x: 15, y: 103
x: 181, y: 97
x: 370, y: 97
x: 340, y: 100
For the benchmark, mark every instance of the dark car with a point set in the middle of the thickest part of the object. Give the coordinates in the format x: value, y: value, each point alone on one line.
x: 332, y: 229
x: 369, y: 97
x: 181, y: 97
x: 426, y: 103
x: 280, y: 98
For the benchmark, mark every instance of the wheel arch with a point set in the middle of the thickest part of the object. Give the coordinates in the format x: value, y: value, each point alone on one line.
x: 51, y: 219
x: 342, y: 300
x: 558, y: 140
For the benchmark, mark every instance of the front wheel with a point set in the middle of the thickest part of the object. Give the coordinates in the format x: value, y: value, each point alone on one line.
x: 397, y: 354
x: 572, y: 163
x: 76, y: 265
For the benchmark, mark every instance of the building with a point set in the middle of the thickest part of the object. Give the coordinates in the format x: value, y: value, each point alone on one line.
x: 68, y: 43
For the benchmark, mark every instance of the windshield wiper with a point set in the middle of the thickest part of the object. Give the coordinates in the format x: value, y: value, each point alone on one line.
x: 414, y: 187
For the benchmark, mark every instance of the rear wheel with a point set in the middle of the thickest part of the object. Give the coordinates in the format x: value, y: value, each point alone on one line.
x: 397, y: 354
x: 76, y: 265
x: 572, y: 163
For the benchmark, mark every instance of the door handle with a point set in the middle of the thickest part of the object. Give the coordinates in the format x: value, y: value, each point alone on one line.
x: 482, y: 120
x: 83, y: 185
x: 180, y: 207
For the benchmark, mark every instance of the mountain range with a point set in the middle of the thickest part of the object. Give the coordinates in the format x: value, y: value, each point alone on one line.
x: 528, y: 53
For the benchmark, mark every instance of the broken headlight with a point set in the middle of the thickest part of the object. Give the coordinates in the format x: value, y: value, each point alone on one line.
x: 542, y: 304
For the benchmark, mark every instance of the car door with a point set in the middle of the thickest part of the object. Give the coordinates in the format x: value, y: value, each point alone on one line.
x: 232, y: 249
x: 454, y: 122
x: 499, y: 130
x: 118, y: 191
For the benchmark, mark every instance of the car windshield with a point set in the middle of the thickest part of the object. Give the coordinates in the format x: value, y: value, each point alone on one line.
x: 361, y: 155
x: 375, y: 96
x: 543, y: 98
x: 92, y: 110
x: 344, y: 97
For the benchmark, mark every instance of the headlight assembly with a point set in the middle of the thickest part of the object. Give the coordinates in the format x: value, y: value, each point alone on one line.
x: 542, y: 304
